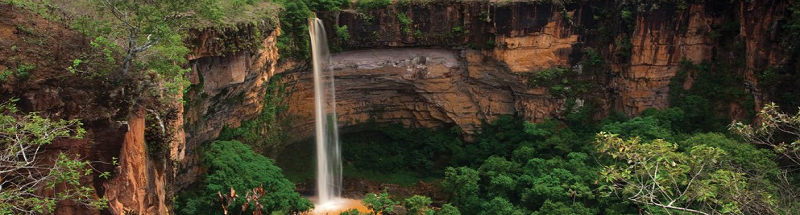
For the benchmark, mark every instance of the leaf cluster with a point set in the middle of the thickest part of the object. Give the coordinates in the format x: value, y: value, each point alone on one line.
x: 24, y: 174
x: 775, y: 129
x: 696, y: 176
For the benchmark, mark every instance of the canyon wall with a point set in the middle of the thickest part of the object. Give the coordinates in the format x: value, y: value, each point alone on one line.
x: 464, y: 63
x: 645, y: 50
x: 760, y: 27
x: 524, y: 37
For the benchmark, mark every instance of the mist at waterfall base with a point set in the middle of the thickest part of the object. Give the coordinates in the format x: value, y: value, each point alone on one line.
x: 329, y: 162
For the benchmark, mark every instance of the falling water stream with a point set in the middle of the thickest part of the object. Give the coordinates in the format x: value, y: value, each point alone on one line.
x: 329, y: 160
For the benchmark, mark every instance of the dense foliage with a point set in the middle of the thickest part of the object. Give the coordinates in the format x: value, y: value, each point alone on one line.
x: 537, y: 168
x: 233, y: 165
x: 553, y: 167
x: 373, y: 4
x: 394, y: 148
x: 513, y: 166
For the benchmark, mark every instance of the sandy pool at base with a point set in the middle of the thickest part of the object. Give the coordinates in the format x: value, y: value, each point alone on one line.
x: 336, y: 206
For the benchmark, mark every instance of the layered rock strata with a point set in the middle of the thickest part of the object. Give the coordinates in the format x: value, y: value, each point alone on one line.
x: 421, y: 87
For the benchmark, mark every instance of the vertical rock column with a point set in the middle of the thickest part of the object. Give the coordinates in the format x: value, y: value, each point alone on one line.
x: 137, y: 187
x: 759, y: 28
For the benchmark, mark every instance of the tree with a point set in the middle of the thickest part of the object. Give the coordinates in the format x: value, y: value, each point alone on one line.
x: 462, y: 182
x: 379, y: 204
x: 23, y: 170
x: 448, y: 209
x: 548, y: 166
x: 502, y: 176
x: 557, y: 179
x: 648, y: 128
x: 294, y: 40
x: 155, y: 24
x: 780, y: 132
x: 149, y: 35
x: 233, y: 165
x: 763, y: 176
x: 658, y: 176
x: 746, y: 157
x: 418, y: 205
x: 500, y: 205
x: 351, y: 212
x: 775, y: 129
x: 550, y: 207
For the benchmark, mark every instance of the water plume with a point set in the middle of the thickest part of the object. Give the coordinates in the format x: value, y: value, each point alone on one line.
x: 329, y: 161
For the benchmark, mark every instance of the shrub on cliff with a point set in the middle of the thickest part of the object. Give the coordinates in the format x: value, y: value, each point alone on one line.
x: 233, y: 165
x: 294, y: 41
x: 373, y: 4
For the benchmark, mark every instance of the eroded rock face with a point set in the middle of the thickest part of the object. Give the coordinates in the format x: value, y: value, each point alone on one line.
x: 139, y: 184
x: 228, y: 88
x: 662, y: 39
x: 760, y: 28
x: 525, y: 37
x: 532, y: 37
x: 665, y: 37
x: 422, y: 88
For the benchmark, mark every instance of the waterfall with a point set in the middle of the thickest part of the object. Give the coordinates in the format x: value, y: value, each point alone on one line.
x: 329, y: 161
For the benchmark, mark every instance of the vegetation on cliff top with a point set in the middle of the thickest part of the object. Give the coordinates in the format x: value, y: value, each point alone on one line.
x: 294, y: 41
